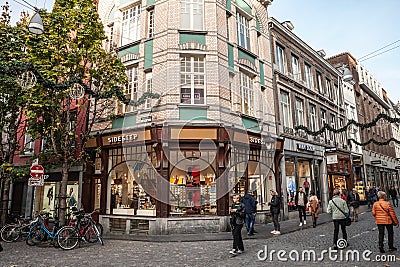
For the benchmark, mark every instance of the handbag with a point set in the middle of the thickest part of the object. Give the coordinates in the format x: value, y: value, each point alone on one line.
x: 347, y: 220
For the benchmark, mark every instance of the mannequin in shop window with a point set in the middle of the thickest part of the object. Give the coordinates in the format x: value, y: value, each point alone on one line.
x: 306, y: 185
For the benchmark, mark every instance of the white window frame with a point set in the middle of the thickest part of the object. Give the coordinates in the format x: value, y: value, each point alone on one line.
x: 28, y: 144
x: 280, y: 58
x: 323, y: 121
x: 319, y: 82
x: 150, y: 23
x: 308, y: 76
x: 329, y: 89
x: 295, y: 68
x: 313, y: 118
x: 131, y: 91
x: 285, y: 110
x: 111, y: 38
x: 130, y: 31
x: 300, y: 112
x: 148, y: 89
x: 193, y: 77
x: 243, y: 31
x: 192, y: 15
x: 246, y: 94
x: 332, y: 121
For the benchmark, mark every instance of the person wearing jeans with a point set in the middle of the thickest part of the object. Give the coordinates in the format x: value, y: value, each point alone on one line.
x: 385, y: 217
x: 338, y: 208
x: 300, y: 201
x: 250, y: 205
x: 275, y: 208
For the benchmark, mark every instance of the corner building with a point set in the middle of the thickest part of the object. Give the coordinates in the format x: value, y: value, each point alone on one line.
x: 171, y: 164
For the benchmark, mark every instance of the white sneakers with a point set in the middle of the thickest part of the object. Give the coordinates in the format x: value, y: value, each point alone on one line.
x: 305, y: 222
x: 273, y: 232
x: 301, y: 224
x: 277, y: 233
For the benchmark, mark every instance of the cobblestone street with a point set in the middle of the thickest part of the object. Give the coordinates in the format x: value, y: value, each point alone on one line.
x: 363, y: 235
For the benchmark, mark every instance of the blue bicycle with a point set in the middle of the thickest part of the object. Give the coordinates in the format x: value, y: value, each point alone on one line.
x: 42, y: 231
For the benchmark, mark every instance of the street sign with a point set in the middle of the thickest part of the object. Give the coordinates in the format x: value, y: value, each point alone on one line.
x: 37, y: 171
x: 36, y: 181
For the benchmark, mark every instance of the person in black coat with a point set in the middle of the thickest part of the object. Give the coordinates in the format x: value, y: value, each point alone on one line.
x: 275, y: 208
x: 393, y: 196
x: 301, y: 201
x: 237, y: 213
x: 353, y: 199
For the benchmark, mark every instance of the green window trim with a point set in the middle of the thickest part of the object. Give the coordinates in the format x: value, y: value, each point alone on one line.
x: 189, y: 37
x: 132, y: 49
x: 262, y: 78
x: 150, y: 2
x: 229, y: 5
x: 244, y: 55
x: 250, y: 124
x: 124, y: 122
x: 231, y: 61
x: 244, y: 6
x: 148, y: 54
x: 189, y: 113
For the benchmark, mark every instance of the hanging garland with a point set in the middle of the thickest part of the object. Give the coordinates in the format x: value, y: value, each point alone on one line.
x: 21, y: 68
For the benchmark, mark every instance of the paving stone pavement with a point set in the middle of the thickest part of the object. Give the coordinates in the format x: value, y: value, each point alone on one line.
x: 363, y: 236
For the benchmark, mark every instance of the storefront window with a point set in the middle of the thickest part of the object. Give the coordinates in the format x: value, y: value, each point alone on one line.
x: 192, y: 183
x: 298, y: 174
x: 128, y: 194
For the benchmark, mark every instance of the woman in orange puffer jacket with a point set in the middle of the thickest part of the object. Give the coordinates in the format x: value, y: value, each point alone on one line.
x: 384, y: 217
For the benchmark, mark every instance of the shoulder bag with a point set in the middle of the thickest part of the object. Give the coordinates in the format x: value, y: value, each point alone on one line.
x: 388, y: 212
x: 347, y: 220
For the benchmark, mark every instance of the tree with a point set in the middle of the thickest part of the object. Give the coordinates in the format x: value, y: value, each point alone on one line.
x: 69, y: 57
x: 12, y: 101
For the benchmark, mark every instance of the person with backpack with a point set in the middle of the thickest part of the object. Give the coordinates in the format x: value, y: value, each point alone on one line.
x: 250, y: 205
x: 237, y: 214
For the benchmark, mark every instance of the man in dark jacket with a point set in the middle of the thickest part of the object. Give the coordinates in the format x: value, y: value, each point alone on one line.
x: 353, y: 199
x: 301, y: 200
x: 250, y: 205
x: 393, y: 196
x: 275, y: 208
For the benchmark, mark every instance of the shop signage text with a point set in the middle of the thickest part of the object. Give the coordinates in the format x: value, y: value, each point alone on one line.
x: 331, y: 159
x: 146, y: 119
x: 376, y: 162
x: 33, y: 181
x: 256, y: 140
x: 305, y: 147
x: 122, y: 138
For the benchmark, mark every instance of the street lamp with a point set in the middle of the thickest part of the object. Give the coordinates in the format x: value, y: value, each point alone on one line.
x: 347, y: 75
x: 36, y: 24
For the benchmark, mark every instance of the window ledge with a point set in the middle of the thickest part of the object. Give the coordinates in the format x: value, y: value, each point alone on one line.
x: 201, y: 106
x: 193, y: 31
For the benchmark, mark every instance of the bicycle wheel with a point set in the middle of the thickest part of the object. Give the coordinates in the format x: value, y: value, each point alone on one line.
x: 99, y: 237
x: 90, y: 234
x: 67, y: 237
x: 36, y: 236
x: 10, y: 233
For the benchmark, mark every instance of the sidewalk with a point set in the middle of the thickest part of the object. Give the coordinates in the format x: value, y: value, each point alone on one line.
x: 263, y: 231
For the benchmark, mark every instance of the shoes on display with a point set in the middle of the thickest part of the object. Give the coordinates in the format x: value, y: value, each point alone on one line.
x: 277, y: 233
x: 301, y: 224
x: 272, y: 232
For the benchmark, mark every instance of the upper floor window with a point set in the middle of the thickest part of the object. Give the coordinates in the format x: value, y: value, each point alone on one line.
x: 319, y: 83
x: 131, y: 25
x: 280, y: 58
x: 192, y: 13
x: 285, y: 109
x: 243, y: 31
x: 192, y: 80
x: 333, y: 125
x: 111, y: 41
x: 329, y: 89
x: 150, y: 23
x: 149, y: 89
x: 28, y: 144
x: 295, y: 68
x: 131, y: 91
x: 313, y: 118
x: 299, y: 112
x: 323, y: 120
x: 246, y: 94
x: 307, y: 75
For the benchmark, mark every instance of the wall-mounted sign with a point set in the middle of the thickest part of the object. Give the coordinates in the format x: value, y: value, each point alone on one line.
x: 376, y: 162
x: 146, y: 119
x: 256, y: 140
x: 122, y: 138
x: 305, y: 147
x: 331, y: 159
x: 330, y: 149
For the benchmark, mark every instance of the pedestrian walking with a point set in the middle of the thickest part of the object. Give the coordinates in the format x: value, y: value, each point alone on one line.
x: 237, y: 215
x: 354, y: 203
x: 373, y: 195
x: 343, y: 195
x: 250, y: 206
x: 384, y: 217
x: 300, y: 201
x: 275, y: 208
x: 338, y: 208
x: 393, y: 195
x: 313, y: 205
x: 368, y: 197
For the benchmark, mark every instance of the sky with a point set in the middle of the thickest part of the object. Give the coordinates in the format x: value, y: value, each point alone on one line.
x: 356, y: 26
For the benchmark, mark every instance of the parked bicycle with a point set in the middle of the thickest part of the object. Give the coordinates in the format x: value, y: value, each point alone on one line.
x: 83, y: 228
x: 16, y: 231
x: 41, y: 230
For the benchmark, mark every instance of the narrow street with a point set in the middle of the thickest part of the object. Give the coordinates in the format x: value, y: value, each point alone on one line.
x: 363, y: 236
